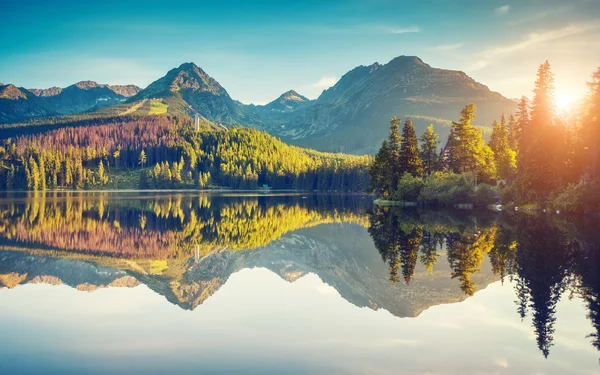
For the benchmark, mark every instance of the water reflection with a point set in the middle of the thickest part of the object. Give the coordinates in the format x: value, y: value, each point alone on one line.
x: 545, y: 257
x: 186, y: 246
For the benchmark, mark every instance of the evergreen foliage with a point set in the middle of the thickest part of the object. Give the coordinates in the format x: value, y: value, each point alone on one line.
x: 75, y: 157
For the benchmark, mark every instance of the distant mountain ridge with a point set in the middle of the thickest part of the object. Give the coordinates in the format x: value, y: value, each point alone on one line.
x: 19, y: 104
x: 351, y: 116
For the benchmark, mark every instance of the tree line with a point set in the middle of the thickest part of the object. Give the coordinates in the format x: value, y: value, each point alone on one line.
x: 166, y: 153
x: 536, y: 155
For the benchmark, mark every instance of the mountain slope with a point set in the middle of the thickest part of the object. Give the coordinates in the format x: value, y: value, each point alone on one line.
x: 18, y: 103
x: 353, y: 115
x: 189, y: 86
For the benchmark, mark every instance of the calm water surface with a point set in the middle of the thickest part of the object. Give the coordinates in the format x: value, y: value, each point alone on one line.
x: 156, y: 283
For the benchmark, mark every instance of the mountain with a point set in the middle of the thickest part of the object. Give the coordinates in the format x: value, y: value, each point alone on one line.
x: 19, y: 104
x: 84, y: 96
x: 187, y: 87
x: 353, y: 115
x: 288, y: 101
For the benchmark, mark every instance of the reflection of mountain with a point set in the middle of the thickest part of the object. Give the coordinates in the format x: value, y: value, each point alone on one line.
x: 342, y: 255
x: 186, y: 247
x: 113, y: 243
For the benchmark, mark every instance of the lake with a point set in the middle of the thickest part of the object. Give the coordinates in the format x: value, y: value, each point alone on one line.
x: 221, y: 283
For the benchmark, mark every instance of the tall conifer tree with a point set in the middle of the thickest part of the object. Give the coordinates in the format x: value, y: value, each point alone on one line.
x: 429, y: 151
x: 410, y: 160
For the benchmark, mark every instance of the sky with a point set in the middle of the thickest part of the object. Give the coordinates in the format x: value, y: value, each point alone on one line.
x: 260, y: 49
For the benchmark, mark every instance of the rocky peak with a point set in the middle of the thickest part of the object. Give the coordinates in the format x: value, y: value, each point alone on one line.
x: 187, y: 77
x: 125, y: 90
x: 11, y: 91
x: 52, y: 91
x: 292, y: 95
x: 86, y: 85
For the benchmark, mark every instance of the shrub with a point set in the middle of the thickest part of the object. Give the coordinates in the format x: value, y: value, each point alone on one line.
x: 447, y: 188
x: 409, y: 188
x: 576, y: 198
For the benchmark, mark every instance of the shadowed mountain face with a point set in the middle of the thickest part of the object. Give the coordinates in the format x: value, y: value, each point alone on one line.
x: 17, y: 104
x: 352, y: 115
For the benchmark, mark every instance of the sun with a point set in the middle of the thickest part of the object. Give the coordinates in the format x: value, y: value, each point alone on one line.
x: 564, y: 100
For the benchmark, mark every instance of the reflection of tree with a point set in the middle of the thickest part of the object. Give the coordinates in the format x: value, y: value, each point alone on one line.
x: 384, y: 229
x: 163, y: 226
x: 466, y: 252
x: 409, y: 248
x: 397, y: 239
x: 543, y: 263
x: 588, y: 270
x: 503, y: 254
x: 429, y: 253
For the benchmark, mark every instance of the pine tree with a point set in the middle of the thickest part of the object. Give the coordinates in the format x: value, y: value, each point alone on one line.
x: 102, y: 177
x: 142, y: 158
x: 410, y: 160
x: 429, y: 151
x: 394, y: 144
x: 512, y: 132
x: 591, y: 126
x: 466, y: 150
x: 539, y: 170
x: 504, y: 157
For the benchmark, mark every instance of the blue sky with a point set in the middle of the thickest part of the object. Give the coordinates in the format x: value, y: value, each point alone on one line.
x: 259, y: 49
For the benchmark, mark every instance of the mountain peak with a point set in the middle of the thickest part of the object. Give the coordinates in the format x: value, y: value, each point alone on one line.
x: 292, y: 95
x: 188, y: 65
x: 403, y: 60
x: 287, y: 102
x: 188, y: 77
x: 11, y: 91
x: 85, y: 85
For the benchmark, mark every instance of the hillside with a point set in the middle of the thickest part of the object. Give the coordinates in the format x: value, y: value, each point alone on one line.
x: 165, y: 152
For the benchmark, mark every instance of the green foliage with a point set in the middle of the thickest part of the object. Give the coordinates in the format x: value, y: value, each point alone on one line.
x: 505, y: 158
x: 393, y: 154
x: 429, y: 150
x: 576, y: 198
x: 83, y: 157
x: 409, y: 159
x: 466, y: 150
x: 443, y: 188
x: 409, y: 188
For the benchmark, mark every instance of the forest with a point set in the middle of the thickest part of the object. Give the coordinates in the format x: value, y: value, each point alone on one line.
x: 165, y: 152
x: 537, y: 157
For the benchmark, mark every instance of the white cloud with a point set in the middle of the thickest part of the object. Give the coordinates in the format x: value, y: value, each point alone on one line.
x: 529, y: 41
x: 325, y: 82
x: 448, y: 47
x: 403, y: 30
x: 503, y: 10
